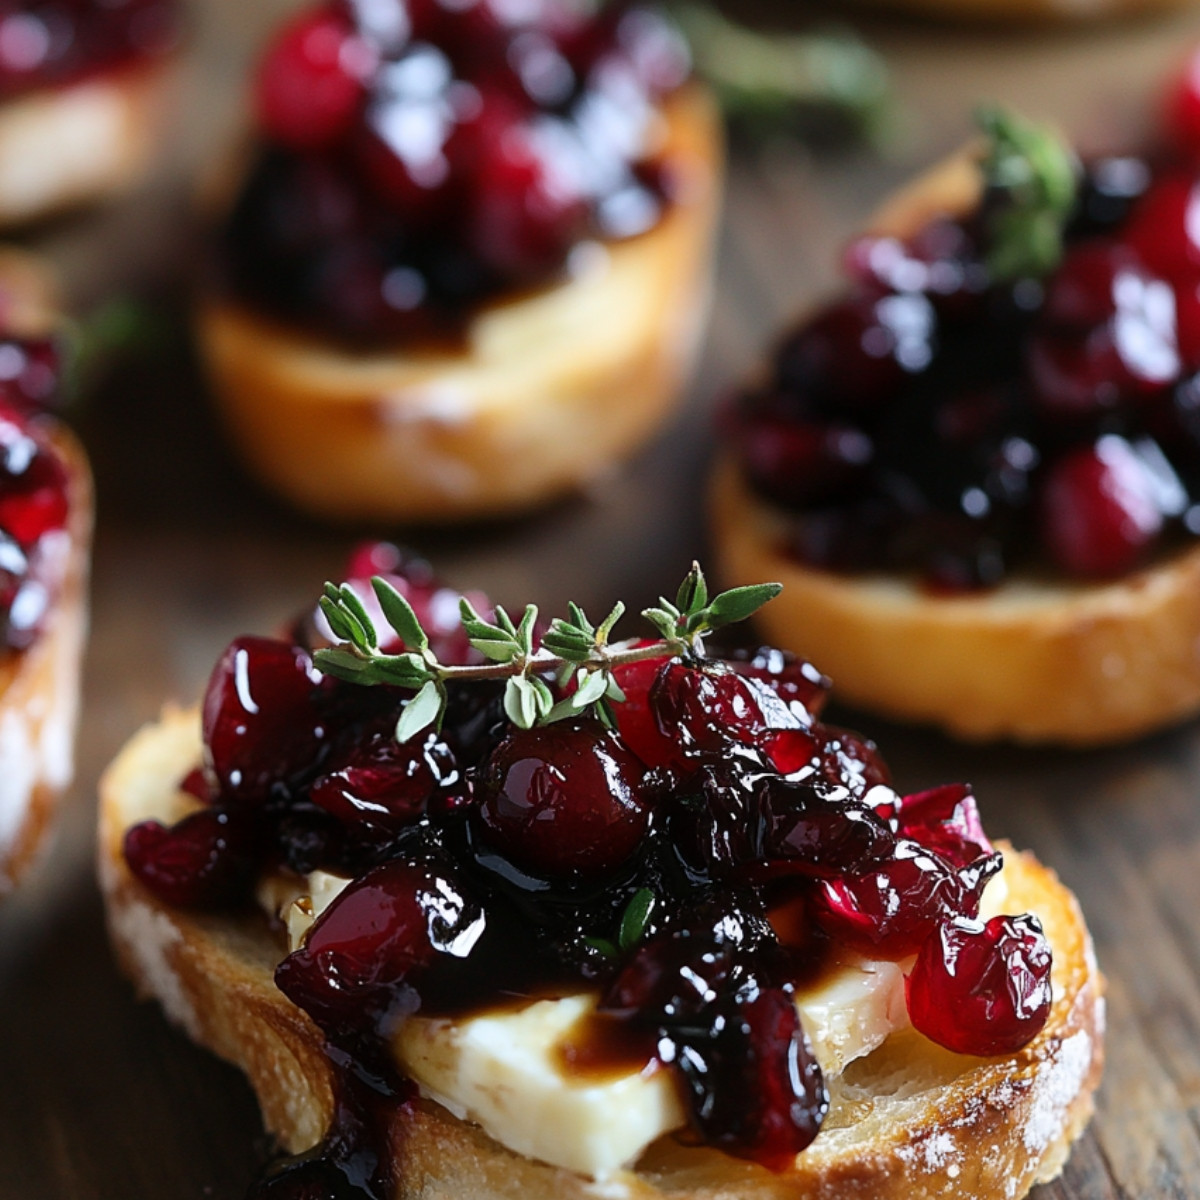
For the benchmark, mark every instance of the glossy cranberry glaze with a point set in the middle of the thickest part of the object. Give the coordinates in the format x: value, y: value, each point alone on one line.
x: 721, y: 833
x: 420, y: 157
x: 33, y: 490
x: 939, y: 421
x: 52, y: 43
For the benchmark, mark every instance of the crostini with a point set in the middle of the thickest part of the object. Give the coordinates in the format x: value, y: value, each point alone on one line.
x: 45, y: 543
x: 467, y: 269
x: 686, y: 943
x: 82, y: 90
x: 978, y: 471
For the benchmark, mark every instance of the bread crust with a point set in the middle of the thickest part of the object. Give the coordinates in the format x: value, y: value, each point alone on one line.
x: 39, y: 691
x: 61, y: 147
x: 553, y: 389
x: 908, y: 1121
x: 1039, y: 659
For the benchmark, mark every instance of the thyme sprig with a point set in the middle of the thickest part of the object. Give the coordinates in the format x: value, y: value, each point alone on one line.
x: 573, y: 649
x: 1035, y: 174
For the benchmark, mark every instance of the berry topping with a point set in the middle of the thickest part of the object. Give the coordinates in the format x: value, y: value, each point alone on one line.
x: 557, y: 810
x: 420, y: 159
x: 562, y: 801
x: 982, y: 989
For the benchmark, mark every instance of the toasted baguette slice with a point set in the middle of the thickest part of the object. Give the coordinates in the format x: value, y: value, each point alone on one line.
x: 552, y: 390
x: 1041, y: 658
x: 909, y: 1120
x: 66, y: 146
x: 39, y: 690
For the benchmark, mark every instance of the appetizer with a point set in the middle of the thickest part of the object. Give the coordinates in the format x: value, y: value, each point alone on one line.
x: 488, y: 911
x: 466, y: 267
x: 978, y: 469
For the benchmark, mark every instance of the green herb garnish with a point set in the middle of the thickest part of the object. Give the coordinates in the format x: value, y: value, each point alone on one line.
x: 572, y: 646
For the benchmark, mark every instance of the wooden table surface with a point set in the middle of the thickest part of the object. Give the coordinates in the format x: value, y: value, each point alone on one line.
x: 99, y: 1098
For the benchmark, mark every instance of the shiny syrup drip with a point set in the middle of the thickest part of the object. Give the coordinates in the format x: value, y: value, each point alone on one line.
x: 55, y: 43
x: 766, y: 839
x: 463, y: 167
x: 935, y: 421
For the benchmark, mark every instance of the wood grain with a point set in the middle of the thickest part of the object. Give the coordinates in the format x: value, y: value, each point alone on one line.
x: 98, y: 1098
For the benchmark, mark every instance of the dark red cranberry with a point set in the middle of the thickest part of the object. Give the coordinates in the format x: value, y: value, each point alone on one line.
x: 356, y: 969
x: 894, y: 909
x: 794, y: 680
x: 1081, y: 293
x: 803, y: 462
x: 206, y: 861
x: 563, y: 801
x: 1099, y: 512
x: 384, y: 784
x: 982, y: 989
x: 37, y: 504
x: 261, y: 724
x: 852, y: 761
x: 528, y: 202
x: 945, y: 819
x: 754, y: 1087
x: 1181, y: 109
x: 857, y: 353
x: 1164, y: 227
x: 310, y: 84
x: 635, y: 720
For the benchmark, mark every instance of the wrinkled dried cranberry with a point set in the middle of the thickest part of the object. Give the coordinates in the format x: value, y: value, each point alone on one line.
x: 982, y: 989
x: 945, y: 819
x: 261, y: 724
x: 794, y: 680
x: 358, y: 966
x: 562, y: 801
x: 208, y: 860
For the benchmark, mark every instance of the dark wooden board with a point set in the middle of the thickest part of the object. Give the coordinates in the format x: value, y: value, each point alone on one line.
x: 98, y: 1097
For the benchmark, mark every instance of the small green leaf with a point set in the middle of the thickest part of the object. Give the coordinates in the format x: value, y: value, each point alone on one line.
x: 352, y: 602
x: 423, y: 710
x: 561, y: 711
x: 693, y: 592
x: 543, y: 696
x: 590, y: 686
x: 605, y: 714
x: 525, y: 629
x: 662, y: 621
x: 613, y: 691
x: 739, y: 603
x: 520, y: 702
x: 400, y: 615
x: 579, y: 619
x: 603, y: 945
x: 636, y: 918
x: 567, y: 646
x: 342, y: 623
x: 505, y: 621
x: 606, y: 626
x: 341, y: 663
x: 499, y: 652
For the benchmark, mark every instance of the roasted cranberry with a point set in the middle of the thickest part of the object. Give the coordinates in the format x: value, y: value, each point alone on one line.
x: 858, y: 352
x: 384, y: 784
x: 1164, y: 227
x: 982, y: 989
x: 563, y: 801
x: 1099, y: 514
x: 945, y: 819
x: 207, y: 861
x: 798, y: 462
x: 36, y: 503
x: 261, y: 724
x: 1182, y: 108
x: 309, y: 86
x: 894, y: 909
x: 1082, y: 292
x: 357, y: 965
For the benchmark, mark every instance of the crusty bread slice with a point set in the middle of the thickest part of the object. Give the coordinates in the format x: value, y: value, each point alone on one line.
x: 1040, y: 658
x: 908, y: 1121
x: 66, y: 146
x: 39, y: 690
x: 552, y: 389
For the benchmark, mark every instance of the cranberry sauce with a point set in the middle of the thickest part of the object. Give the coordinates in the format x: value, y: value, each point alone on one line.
x: 721, y: 832
x: 52, y: 43
x: 419, y: 157
x: 940, y: 420
x: 33, y: 490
